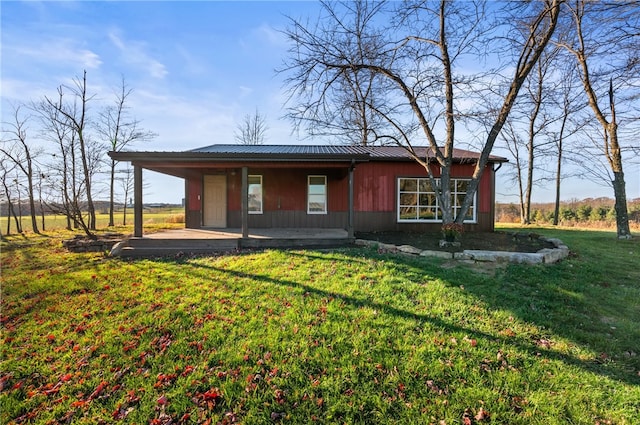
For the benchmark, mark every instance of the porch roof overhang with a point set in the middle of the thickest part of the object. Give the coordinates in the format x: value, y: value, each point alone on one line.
x: 199, y: 158
x: 180, y: 164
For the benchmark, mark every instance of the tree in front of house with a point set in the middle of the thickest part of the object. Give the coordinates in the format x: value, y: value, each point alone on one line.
x: 419, y: 55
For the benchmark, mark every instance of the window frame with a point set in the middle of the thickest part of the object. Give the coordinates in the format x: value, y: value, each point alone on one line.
x: 255, y: 212
x: 438, y: 213
x: 309, y: 194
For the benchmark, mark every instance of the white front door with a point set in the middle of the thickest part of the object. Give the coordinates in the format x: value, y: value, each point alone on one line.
x: 215, y: 201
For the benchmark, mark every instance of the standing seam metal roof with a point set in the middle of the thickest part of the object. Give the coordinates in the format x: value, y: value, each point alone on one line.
x: 373, y: 152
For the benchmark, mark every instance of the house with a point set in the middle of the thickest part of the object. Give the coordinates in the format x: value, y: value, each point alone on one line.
x: 357, y: 188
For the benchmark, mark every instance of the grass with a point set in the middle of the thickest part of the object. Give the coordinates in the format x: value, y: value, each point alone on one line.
x: 342, y: 336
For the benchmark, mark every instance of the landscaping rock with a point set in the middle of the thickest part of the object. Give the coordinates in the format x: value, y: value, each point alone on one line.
x: 512, y: 257
x: 408, y: 249
x: 438, y: 254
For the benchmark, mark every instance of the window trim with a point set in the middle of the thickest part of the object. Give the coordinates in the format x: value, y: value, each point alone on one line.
x: 261, y: 195
x: 454, y: 180
x: 326, y: 197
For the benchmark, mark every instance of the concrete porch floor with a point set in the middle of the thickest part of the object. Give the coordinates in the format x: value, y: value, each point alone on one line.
x: 204, y: 241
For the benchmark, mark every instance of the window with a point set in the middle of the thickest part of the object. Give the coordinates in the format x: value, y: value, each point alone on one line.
x: 255, y: 194
x: 317, y: 195
x: 417, y: 200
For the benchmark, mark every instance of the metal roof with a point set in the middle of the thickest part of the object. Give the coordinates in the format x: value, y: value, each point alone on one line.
x: 372, y: 152
x: 228, y: 152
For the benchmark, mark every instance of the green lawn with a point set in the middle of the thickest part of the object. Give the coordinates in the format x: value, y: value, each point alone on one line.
x: 343, y: 336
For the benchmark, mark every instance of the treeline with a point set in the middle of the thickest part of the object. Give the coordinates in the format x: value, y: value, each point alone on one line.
x: 598, y: 212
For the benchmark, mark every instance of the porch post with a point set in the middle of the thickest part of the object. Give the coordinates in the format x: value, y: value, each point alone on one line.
x: 137, y: 201
x: 350, y: 202
x: 244, y: 209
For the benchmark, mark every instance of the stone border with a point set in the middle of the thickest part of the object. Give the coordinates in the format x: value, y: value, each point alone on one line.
x: 544, y: 256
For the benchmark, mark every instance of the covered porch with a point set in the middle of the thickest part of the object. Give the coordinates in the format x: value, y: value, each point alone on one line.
x: 218, y: 182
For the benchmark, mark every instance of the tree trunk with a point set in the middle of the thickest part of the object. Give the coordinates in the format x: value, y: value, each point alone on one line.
x: 17, y: 220
x: 42, y: 216
x: 527, y: 202
x: 32, y: 201
x: 622, y: 215
x: 9, y: 207
x: 556, y: 211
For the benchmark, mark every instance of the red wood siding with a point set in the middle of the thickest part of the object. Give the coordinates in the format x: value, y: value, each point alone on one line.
x: 193, y: 202
x: 194, y: 193
x: 485, y: 198
x: 375, y: 199
x: 375, y: 184
x: 286, y: 189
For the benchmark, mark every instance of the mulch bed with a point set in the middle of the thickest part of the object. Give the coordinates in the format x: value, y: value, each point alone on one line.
x: 486, y: 241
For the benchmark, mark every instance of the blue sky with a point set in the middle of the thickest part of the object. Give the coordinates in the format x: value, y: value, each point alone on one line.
x: 196, y: 69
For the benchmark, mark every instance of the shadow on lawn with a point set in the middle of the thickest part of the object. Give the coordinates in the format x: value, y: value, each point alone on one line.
x: 415, y: 267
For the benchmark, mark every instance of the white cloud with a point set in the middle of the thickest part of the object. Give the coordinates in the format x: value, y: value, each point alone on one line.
x: 183, y: 123
x: 61, y: 51
x: 134, y: 52
x: 245, y: 91
x: 271, y: 35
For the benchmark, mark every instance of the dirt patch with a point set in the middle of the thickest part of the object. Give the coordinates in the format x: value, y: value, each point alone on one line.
x: 102, y: 243
x: 485, y: 241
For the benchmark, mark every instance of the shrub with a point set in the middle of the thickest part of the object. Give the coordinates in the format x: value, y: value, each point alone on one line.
x: 176, y: 218
x: 584, y: 212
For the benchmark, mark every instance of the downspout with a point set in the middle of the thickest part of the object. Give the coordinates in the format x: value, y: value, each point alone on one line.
x: 350, y: 232
x: 244, y: 204
x: 493, y: 195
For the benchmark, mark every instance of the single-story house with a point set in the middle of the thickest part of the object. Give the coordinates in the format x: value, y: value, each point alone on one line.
x: 357, y: 188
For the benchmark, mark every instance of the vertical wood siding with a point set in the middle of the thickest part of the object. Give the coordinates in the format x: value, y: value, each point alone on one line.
x: 284, y: 192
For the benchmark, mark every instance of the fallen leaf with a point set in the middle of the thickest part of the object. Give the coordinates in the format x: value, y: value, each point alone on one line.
x: 482, y: 415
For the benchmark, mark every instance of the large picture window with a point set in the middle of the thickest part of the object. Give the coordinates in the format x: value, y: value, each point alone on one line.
x: 317, y: 195
x: 255, y: 194
x: 417, y: 200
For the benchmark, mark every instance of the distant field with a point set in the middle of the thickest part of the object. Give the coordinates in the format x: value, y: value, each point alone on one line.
x: 152, y: 217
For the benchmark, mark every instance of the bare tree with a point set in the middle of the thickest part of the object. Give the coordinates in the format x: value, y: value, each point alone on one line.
x: 348, y: 111
x: 6, y: 168
x: 75, y: 117
x: 126, y: 185
x: 535, y: 125
x: 252, y: 129
x: 421, y: 59
x: 62, y: 175
x: 605, y: 45
x: 17, y: 149
x: 119, y: 130
x: 569, y: 105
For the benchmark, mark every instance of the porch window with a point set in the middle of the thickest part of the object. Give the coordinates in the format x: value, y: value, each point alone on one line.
x: 317, y: 195
x: 255, y: 194
x: 417, y: 200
